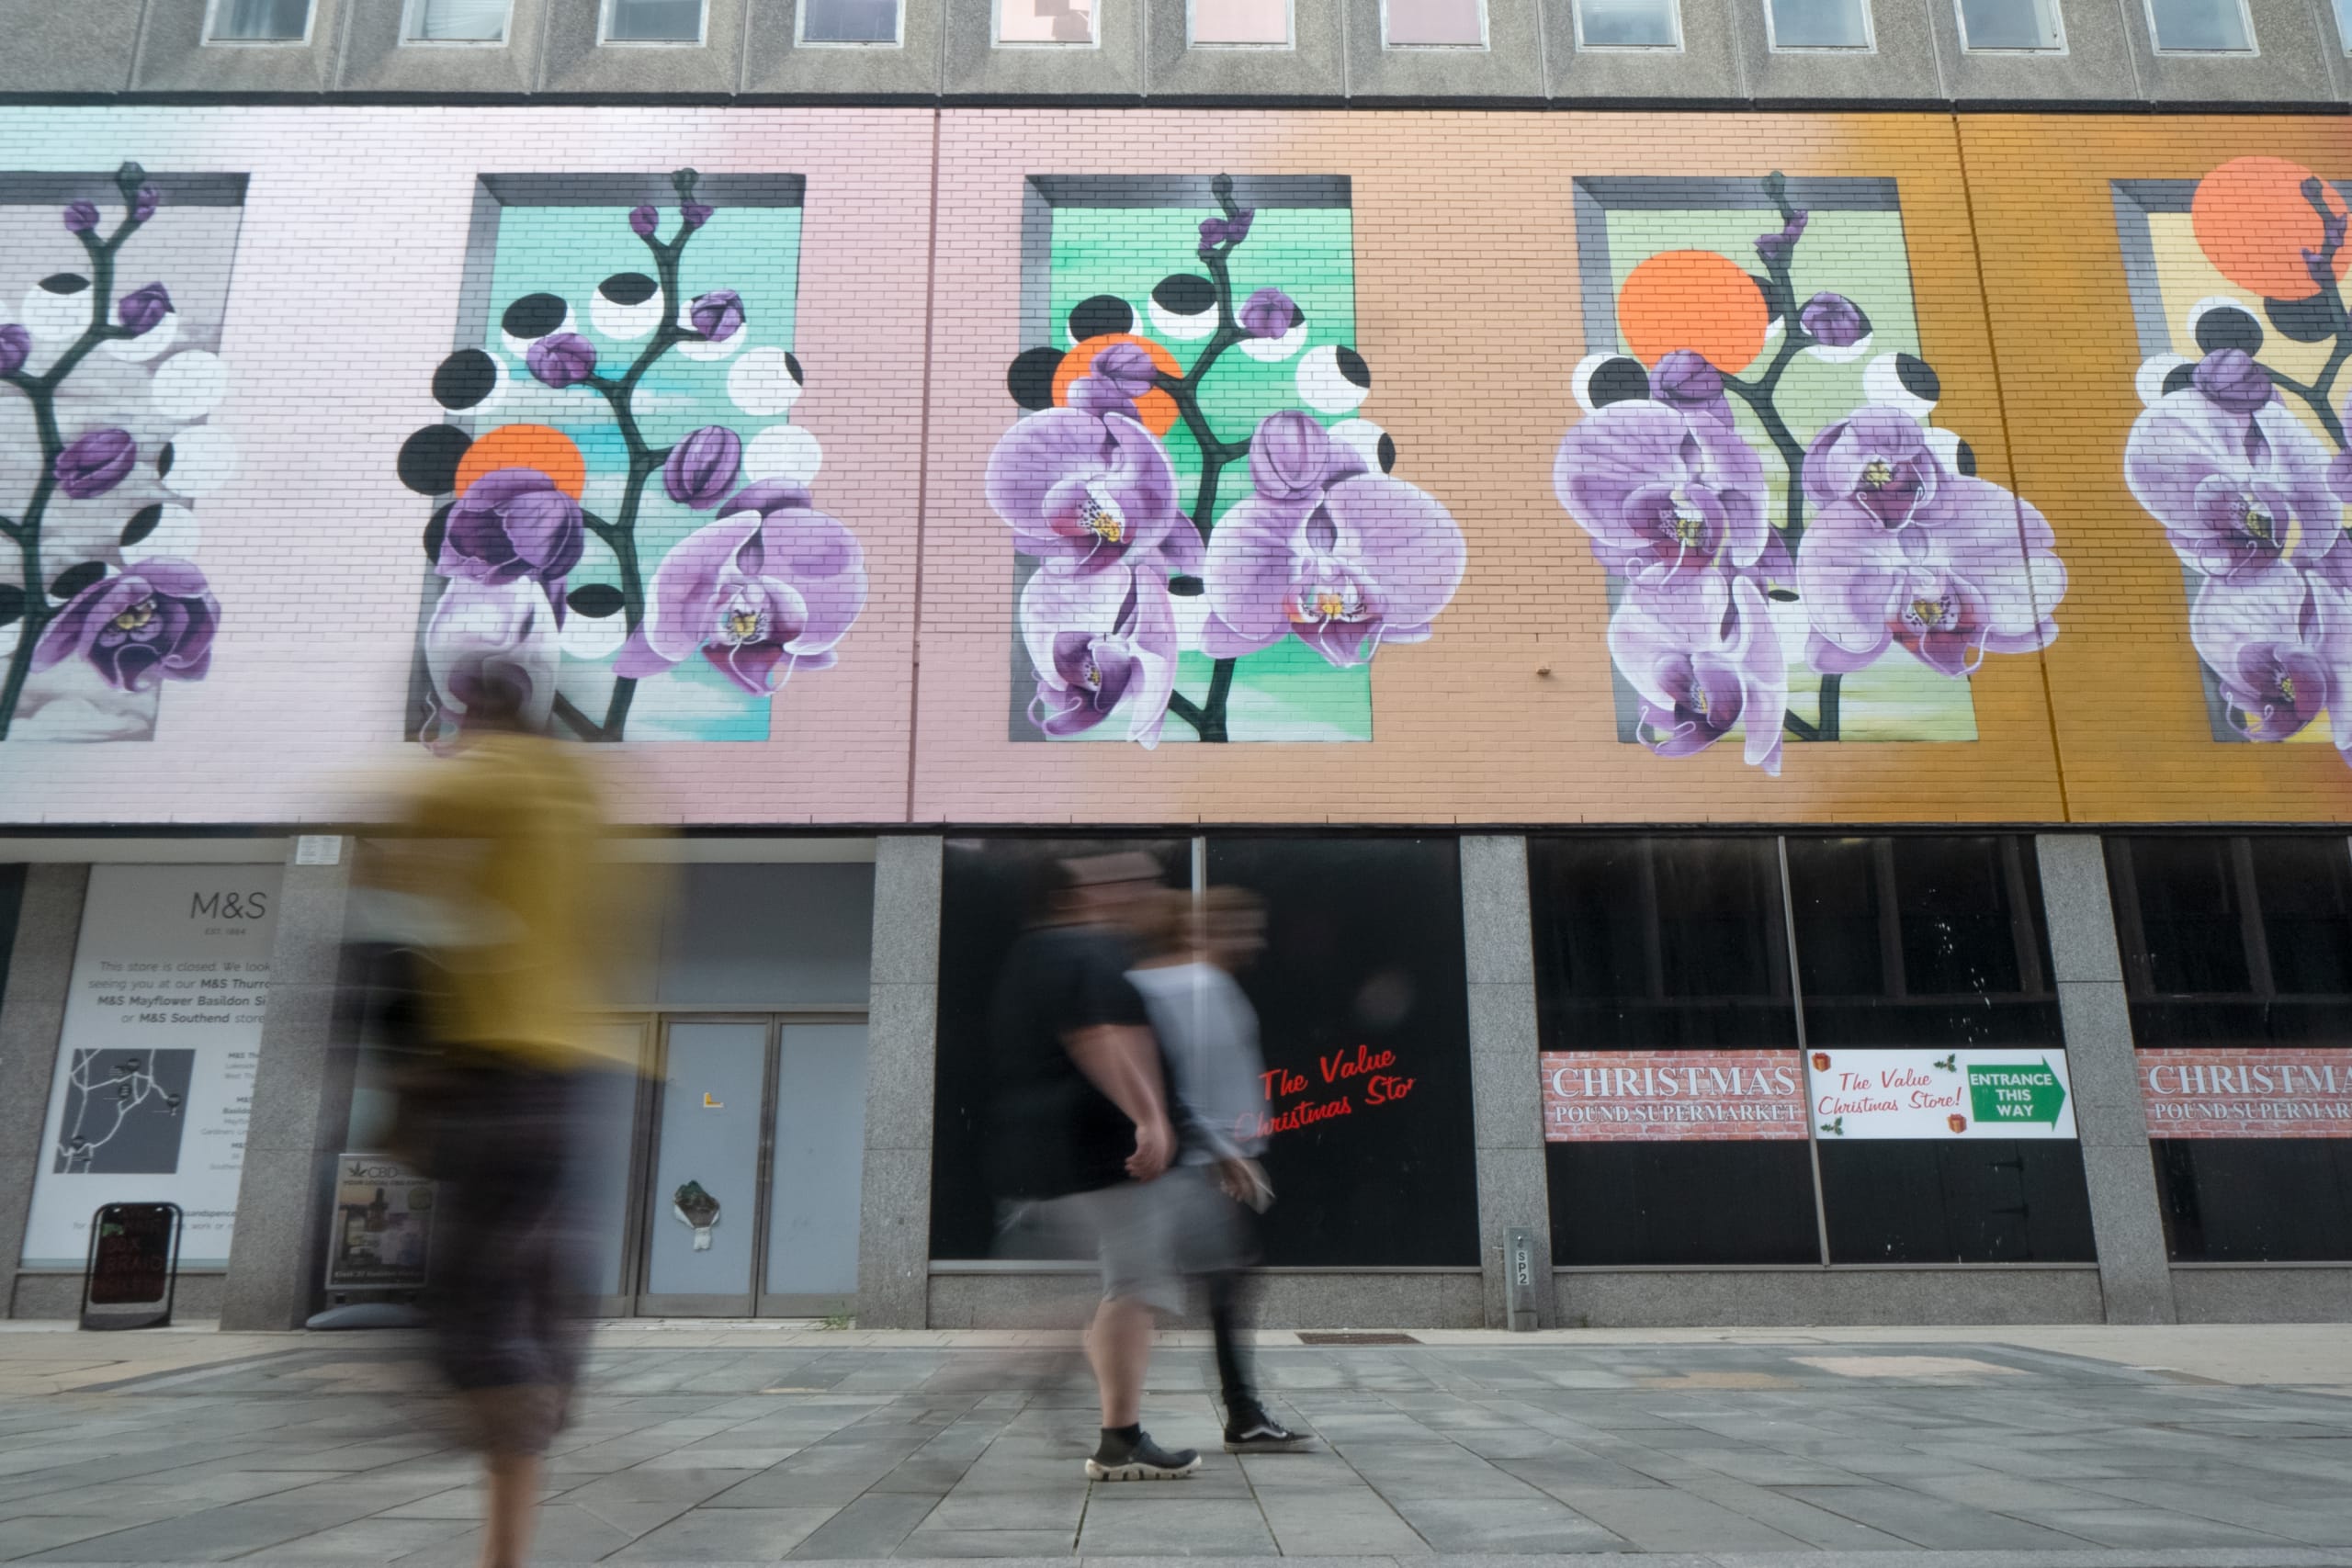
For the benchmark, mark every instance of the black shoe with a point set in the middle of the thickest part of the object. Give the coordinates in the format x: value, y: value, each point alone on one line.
x: 1255, y: 1432
x: 1141, y: 1459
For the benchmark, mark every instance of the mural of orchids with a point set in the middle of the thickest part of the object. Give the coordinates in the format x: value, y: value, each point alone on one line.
x: 1733, y: 572
x: 765, y: 588
x: 1322, y: 547
x: 106, y: 606
x: 2240, y: 454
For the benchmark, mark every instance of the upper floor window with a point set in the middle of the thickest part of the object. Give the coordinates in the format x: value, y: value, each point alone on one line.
x: 260, y: 21
x: 1629, y: 24
x: 653, y: 21
x: 1044, y: 21
x: 2010, y: 24
x: 849, y: 21
x: 1264, y: 23
x: 1435, y: 24
x: 1818, y: 24
x: 456, y: 21
x: 2343, y: 25
x: 2201, y: 27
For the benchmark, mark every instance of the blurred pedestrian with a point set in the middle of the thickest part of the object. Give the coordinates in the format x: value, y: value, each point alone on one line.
x: 1080, y: 1131
x: 505, y: 837
x: 1208, y: 1036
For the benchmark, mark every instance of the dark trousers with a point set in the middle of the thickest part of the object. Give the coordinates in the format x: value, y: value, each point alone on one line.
x: 1232, y: 1295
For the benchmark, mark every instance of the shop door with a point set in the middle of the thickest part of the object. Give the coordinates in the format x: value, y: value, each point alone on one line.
x: 759, y: 1134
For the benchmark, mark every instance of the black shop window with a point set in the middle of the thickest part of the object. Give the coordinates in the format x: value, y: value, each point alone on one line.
x: 2235, y: 940
x: 1919, y: 941
x: 1655, y: 943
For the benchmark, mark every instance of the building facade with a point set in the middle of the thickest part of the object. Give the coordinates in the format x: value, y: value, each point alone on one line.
x: 1760, y: 584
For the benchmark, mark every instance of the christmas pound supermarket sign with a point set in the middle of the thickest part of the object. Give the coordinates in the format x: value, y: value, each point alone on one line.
x: 1996, y: 1092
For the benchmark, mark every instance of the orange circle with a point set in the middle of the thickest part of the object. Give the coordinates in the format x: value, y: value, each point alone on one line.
x: 2253, y: 224
x: 1155, y: 409
x: 539, y: 447
x: 1693, y: 300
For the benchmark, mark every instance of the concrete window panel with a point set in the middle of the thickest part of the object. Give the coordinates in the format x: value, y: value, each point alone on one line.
x: 1901, y: 65
x: 1508, y: 68
x: 2092, y: 65
x: 787, y: 52
x: 1109, y: 69
x: 2293, y: 64
x: 1705, y: 69
x: 1306, y: 69
x: 381, y: 54
x: 177, y: 54
x: 580, y: 59
x: 84, y: 48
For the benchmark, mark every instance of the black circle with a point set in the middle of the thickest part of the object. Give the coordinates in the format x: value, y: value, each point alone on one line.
x: 628, y: 289
x: 1184, y: 294
x: 534, y: 315
x: 1387, y: 450
x: 1102, y: 315
x: 142, y: 522
x: 429, y: 459
x: 1918, y: 377
x: 2304, y: 321
x: 1617, y: 380
x: 465, y: 379
x: 1353, y: 367
x: 2226, y: 326
x: 2179, y: 378
x: 434, y: 532
x: 1184, y: 586
x: 596, y: 599
x: 1964, y: 458
x: 1031, y: 379
x: 65, y: 283
x: 793, y: 365
x: 75, y: 578
x: 164, y: 460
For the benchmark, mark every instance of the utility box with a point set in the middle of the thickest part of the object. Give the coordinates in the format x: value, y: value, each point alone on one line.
x: 1519, y: 1269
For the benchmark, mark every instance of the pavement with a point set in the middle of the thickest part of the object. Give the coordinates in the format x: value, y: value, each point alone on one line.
x: 1910, y: 1447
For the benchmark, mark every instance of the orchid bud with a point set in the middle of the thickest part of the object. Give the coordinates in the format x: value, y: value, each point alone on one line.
x: 1834, y: 320
x: 2230, y: 379
x: 1269, y: 312
x: 16, y: 347
x: 701, y: 468
x: 644, y: 221
x: 96, y: 463
x: 718, y: 315
x: 142, y: 310
x: 565, y: 359
x: 81, y: 217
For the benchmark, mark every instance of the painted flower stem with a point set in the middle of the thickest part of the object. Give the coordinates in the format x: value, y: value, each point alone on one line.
x: 40, y: 392
x: 645, y: 460
x: 2320, y: 394
x: 1207, y: 716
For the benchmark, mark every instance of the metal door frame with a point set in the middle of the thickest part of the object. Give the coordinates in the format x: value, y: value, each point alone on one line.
x: 640, y: 1300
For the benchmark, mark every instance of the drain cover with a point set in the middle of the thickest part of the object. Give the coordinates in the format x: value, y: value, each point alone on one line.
x: 1307, y: 1337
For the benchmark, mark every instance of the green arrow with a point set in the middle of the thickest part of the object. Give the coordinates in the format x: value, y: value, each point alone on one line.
x: 2015, y: 1091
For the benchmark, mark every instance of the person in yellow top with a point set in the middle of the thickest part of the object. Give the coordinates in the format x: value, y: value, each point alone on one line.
x: 506, y: 853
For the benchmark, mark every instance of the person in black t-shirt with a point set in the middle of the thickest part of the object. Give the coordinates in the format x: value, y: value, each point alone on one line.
x: 1081, y: 1131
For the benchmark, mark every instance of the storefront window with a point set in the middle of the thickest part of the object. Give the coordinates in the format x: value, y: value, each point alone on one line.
x: 2237, y: 959
x: 1689, y: 1101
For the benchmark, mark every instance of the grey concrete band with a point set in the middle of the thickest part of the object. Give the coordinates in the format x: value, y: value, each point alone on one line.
x: 894, y: 1220
x: 1499, y: 948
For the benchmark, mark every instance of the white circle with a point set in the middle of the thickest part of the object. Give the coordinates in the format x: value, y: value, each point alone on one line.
x: 202, y: 460
x: 624, y: 324
x: 149, y: 343
x: 54, y: 318
x: 1322, y: 387
x: 188, y: 386
x: 1170, y: 323
x: 1362, y: 437
x: 700, y: 347
x: 592, y: 637
x: 2149, y: 380
x: 782, y: 452
x: 1945, y: 444
x: 1580, y: 378
x: 1851, y: 352
x: 1273, y: 349
x: 175, y: 535
x: 1882, y: 383
x: 763, y: 384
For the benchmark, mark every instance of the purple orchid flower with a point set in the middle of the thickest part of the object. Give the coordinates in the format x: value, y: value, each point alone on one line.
x: 644, y: 222
x: 2263, y: 640
x: 1704, y: 657
x: 96, y: 463
x: 770, y: 588
x: 144, y: 202
x: 2230, y: 379
x: 1269, y: 312
x: 2237, y: 493
x: 1085, y: 490
x: 16, y: 347
x: 1774, y: 249
x: 1114, y: 381
x: 1979, y: 574
x: 483, y: 630
x: 562, y: 359
x: 1101, y: 642
x: 1662, y: 493
x: 702, y: 468
x: 1834, y: 320
x: 81, y: 217
x: 142, y: 310
x: 1341, y: 557
x: 1687, y: 383
x: 718, y: 315
x: 151, y: 622
x: 1227, y: 231
x: 511, y: 524
x: 1878, y: 458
